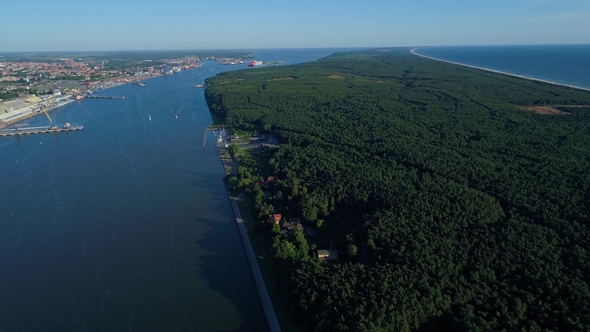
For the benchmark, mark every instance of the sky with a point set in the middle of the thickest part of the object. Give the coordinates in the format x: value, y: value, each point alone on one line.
x: 82, y: 25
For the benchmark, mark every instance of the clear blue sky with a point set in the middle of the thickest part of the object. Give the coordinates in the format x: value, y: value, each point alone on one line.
x: 65, y: 25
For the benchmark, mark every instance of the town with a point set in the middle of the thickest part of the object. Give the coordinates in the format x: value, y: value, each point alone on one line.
x: 26, y: 80
x: 23, y: 74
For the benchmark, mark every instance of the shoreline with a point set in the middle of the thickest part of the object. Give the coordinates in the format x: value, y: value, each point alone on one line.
x: 4, y: 124
x: 230, y: 166
x: 413, y: 51
x: 31, y: 115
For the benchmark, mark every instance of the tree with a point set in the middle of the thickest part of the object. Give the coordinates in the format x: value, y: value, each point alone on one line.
x: 234, y: 149
x: 352, y: 251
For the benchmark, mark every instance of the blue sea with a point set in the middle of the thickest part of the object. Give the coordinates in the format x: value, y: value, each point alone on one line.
x: 563, y: 64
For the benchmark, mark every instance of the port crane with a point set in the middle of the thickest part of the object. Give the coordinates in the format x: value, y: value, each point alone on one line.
x: 44, y: 108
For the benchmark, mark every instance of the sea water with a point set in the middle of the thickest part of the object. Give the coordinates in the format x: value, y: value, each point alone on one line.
x: 563, y: 64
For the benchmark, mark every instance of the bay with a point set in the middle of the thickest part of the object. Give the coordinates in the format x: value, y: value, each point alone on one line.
x: 562, y: 64
x: 126, y: 225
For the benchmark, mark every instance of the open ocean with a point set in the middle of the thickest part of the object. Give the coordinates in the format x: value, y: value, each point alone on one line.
x: 563, y: 64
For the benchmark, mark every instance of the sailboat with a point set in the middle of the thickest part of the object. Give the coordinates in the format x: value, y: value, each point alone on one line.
x: 150, y: 117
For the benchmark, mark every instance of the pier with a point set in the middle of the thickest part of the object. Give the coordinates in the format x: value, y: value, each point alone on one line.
x: 105, y: 97
x: 38, y: 130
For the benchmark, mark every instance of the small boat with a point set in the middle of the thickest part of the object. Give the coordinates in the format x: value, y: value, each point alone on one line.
x: 150, y: 117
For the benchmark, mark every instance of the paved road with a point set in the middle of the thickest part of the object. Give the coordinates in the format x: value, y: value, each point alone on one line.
x: 269, y: 311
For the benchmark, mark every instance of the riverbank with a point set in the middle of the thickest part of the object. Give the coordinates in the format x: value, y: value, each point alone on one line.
x: 413, y: 51
x: 24, y: 117
x: 30, y: 114
x: 230, y: 166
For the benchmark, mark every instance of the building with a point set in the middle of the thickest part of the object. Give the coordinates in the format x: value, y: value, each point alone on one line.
x: 274, y: 218
x: 328, y: 255
x: 289, y: 226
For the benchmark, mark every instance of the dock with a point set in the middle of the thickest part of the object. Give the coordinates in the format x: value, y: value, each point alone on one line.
x: 105, y: 97
x: 37, y: 130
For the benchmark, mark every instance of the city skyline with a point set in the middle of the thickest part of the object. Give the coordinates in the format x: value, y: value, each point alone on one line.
x: 65, y: 25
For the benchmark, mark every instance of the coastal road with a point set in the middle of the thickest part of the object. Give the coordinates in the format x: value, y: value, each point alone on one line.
x: 269, y: 311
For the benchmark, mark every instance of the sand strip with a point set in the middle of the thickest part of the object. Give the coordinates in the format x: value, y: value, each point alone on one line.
x: 413, y: 51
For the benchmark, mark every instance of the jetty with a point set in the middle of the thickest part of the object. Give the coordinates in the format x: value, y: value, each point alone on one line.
x: 38, y: 130
x: 105, y: 97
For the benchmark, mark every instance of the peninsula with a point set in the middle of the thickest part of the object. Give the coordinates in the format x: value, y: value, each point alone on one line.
x: 405, y: 193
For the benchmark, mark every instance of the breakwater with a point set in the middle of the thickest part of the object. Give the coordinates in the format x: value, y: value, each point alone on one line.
x: 37, y: 130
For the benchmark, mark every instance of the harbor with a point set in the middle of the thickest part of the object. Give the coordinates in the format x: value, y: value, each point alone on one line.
x: 220, y: 133
x: 14, y: 111
x: 42, y: 106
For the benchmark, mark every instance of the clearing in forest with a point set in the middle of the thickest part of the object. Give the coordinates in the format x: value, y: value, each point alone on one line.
x: 543, y: 109
x: 281, y: 79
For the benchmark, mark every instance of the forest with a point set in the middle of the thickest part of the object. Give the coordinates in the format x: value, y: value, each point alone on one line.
x: 452, y: 203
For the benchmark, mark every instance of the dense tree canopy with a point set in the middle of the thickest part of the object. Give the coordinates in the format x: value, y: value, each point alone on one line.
x: 457, y: 207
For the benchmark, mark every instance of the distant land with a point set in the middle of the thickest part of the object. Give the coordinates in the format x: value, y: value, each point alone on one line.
x: 73, y: 75
x: 32, y: 72
x: 406, y: 194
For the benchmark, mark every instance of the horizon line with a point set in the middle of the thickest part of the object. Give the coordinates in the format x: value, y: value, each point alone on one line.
x: 289, y: 48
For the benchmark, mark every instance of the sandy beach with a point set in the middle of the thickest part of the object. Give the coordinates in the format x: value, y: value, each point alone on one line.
x: 413, y: 51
